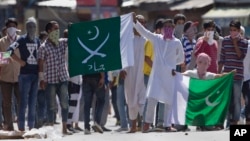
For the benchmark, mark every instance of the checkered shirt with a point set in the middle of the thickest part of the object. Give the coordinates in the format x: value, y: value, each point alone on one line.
x: 55, y: 61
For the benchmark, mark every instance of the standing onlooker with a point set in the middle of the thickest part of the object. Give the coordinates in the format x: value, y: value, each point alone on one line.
x: 41, y: 114
x: 246, y: 82
x: 233, y: 51
x: 179, y: 21
x: 28, y: 45
x: 74, y: 89
x: 122, y: 105
x: 113, y: 81
x: 93, y: 84
x: 168, y: 52
x: 9, y: 74
x: 148, y: 62
x: 134, y: 80
x: 246, y: 85
x: 106, y: 106
x: 188, y: 42
x: 52, y: 52
x: 208, y: 45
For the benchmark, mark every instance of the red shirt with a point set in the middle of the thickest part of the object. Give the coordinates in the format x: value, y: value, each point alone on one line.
x: 210, y: 50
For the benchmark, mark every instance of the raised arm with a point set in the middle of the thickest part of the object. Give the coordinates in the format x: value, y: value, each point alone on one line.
x: 144, y: 32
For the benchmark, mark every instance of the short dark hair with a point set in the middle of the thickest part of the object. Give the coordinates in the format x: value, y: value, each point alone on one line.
x: 218, y: 29
x: 168, y: 21
x: 11, y: 20
x: 43, y: 34
x: 159, y: 23
x: 50, y: 25
x: 208, y: 24
x: 235, y: 23
x: 179, y: 17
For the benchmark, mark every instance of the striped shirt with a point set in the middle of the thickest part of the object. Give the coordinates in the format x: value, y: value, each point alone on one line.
x: 229, y: 58
x: 55, y: 59
x: 188, y: 48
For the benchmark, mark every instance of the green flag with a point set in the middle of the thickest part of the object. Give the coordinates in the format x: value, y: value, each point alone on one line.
x: 95, y: 46
x: 202, y: 102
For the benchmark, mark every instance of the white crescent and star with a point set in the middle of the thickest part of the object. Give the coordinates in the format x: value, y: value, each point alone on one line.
x: 212, y: 104
x: 96, y: 35
x: 93, y: 52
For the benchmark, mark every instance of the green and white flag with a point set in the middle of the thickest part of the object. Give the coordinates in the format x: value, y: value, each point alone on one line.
x: 4, y: 57
x: 201, y: 102
x: 101, y: 45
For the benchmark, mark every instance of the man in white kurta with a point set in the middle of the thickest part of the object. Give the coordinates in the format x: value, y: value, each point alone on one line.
x: 168, y: 53
x: 135, y: 90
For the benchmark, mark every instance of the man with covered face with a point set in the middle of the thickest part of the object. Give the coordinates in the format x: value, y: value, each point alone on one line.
x: 28, y: 79
x: 9, y: 73
x: 168, y: 53
x: 52, y: 53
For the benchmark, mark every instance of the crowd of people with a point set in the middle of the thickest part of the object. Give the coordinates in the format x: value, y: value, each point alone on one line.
x: 35, y: 79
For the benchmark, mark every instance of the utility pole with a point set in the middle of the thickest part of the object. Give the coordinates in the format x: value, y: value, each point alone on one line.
x: 98, y: 8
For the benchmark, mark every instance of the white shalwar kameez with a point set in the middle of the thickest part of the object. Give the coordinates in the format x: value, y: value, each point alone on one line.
x: 167, y: 54
x: 135, y: 90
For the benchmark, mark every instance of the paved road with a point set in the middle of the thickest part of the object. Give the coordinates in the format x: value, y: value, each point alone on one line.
x: 152, y: 136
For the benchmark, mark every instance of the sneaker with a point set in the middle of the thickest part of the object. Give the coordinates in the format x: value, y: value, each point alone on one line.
x: 78, y: 128
x: 97, y: 128
x: 87, y: 132
x: 121, y: 129
x: 71, y: 129
x: 105, y: 129
x: 170, y: 129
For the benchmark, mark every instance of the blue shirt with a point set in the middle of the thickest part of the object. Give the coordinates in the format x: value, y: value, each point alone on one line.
x: 28, y: 53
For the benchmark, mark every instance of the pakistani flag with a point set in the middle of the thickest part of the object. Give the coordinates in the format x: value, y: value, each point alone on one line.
x: 201, y: 102
x: 101, y: 45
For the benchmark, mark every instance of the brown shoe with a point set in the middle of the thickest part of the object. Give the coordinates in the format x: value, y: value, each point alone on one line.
x: 145, y: 128
x: 133, y: 127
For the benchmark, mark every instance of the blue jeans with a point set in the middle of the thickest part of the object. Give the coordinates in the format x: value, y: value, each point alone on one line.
x: 61, y: 90
x: 121, y: 105
x: 41, y: 108
x: 235, y: 103
x: 28, y: 86
x: 90, y: 87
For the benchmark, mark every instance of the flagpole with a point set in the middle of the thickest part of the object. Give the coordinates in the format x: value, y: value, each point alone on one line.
x: 98, y: 6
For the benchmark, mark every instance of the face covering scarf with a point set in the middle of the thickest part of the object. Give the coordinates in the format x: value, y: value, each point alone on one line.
x: 11, y: 33
x: 178, y: 30
x: 210, y: 35
x: 168, y: 33
x: 54, y: 37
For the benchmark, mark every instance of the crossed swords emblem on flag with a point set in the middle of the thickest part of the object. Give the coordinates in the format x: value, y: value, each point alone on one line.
x: 93, y: 52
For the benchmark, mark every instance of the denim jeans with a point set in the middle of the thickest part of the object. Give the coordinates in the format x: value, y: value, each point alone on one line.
x: 28, y: 86
x: 114, y: 102
x: 90, y: 87
x: 41, y: 108
x: 235, y: 103
x: 246, y: 94
x: 121, y: 105
x: 61, y: 90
